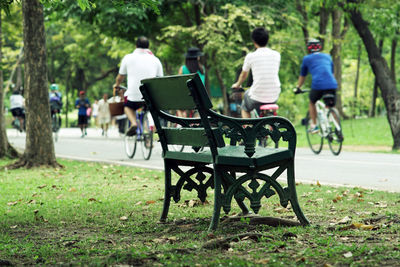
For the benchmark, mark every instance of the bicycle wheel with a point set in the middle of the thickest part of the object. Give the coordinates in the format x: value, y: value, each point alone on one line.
x: 335, y: 136
x: 55, y: 125
x: 147, y: 136
x: 130, y: 143
x: 315, y: 140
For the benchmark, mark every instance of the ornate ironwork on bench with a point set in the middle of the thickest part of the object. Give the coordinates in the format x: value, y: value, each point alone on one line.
x: 231, y: 163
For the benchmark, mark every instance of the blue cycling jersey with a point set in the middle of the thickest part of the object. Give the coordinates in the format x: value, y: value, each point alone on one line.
x: 320, y: 66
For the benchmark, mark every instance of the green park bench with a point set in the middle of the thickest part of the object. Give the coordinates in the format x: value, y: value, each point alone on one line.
x: 224, y: 154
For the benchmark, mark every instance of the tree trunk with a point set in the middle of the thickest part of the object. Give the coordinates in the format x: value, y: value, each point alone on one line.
x: 39, y: 148
x: 6, y: 150
x: 375, y: 90
x: 393, y: 58
x: 300, y: 7
x: 357, y: 73
x: 223, y: 90
x: 323, y: 22
x: 337, y: 37
x: 387, y: 85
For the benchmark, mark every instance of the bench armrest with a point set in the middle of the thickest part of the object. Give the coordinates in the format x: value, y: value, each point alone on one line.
x: 249, y: 130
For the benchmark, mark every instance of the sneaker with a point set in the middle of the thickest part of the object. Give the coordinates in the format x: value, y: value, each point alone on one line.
x: 131, y: 131
x: 313, y: 129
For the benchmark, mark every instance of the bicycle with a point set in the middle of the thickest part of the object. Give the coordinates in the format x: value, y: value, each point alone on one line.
x: 328, y: 122
x: 18, y: 120
x: 265, y: 110
x: 55, y: 119
x: 144, y: 134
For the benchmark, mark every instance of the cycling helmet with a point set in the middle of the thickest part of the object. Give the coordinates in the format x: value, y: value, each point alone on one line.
x: 314, y: 45
x: 54, y: 87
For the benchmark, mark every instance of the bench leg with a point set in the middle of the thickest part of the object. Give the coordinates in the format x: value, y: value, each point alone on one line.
x: 242, y: 206
x: 167, y: 193
x: 293, y: 195
x: 217, y: 200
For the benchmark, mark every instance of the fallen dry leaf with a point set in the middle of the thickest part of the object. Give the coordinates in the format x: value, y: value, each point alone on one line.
x: 262, y: 261
x: 42, y: 186
x: 150, y: 202
x: 348, y: 254
x: 12, y: 203
x: 13, y: 226
x: 123, y: 218
x: 92, y: 199
x: 345, y: 220
x: 32, y: 201
x: 358, y: 226
x: 59, y: 196
x: 281, y: 210
x: 336, y: 199
x: 72, y: 189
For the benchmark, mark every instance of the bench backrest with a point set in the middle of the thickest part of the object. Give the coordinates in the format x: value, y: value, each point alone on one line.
x: 172, y: 93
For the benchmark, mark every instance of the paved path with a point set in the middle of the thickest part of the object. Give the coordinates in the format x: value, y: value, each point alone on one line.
x: 368, y: 170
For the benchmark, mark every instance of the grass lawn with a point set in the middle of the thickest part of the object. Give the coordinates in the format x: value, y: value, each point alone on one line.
x: 94, y: 214
x: 367, y: 134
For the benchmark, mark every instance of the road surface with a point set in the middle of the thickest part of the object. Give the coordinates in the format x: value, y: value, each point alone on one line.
x: 367, y: 170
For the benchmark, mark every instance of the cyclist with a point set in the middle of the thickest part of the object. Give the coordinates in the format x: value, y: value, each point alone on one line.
x: 320, y: 66
x: 17, y: 103
x: 264, y: 65
x: 139, y: 65
x: 55, y: 99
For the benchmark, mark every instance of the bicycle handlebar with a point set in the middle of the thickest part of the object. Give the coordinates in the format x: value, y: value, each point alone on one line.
x: 121, y: 87
x: 297, y: 91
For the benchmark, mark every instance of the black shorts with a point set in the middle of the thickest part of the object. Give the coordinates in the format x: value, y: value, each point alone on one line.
x: 17, y: 112
x: 82, y: 119
x: 316, y: 95
x: 134, y: 105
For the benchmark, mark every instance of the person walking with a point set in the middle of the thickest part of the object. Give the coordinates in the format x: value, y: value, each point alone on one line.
x: 320, y: 66
x: 264, y: 65
x: 82, y: 104
x: 95, y: 112
x: 192, y: 65
x: 104, y: 115
x: 139, y: 65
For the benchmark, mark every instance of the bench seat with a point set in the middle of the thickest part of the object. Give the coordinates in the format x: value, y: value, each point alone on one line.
x: 234, y: 156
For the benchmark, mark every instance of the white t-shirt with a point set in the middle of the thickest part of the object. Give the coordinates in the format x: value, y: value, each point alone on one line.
x: 264, y: 64
x: 16, y: 101
x: 103, y: 109
x: 139, y: 65
x: 95, y: 110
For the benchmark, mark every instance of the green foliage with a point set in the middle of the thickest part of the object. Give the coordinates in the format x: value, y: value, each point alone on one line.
x: 224, y: 37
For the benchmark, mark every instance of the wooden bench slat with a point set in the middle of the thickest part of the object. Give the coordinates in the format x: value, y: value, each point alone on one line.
x: 186, y: 136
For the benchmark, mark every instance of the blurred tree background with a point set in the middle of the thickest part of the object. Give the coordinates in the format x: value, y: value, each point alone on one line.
x: 85, y: 46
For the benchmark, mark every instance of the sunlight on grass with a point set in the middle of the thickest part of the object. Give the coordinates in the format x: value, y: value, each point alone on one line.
x: 368, y: 134
x: 98, y: 214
